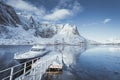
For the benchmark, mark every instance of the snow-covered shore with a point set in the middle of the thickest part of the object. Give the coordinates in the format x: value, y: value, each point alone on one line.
x: 32, y: 42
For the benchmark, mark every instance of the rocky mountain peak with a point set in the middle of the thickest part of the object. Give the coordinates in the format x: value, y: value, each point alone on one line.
x: 75, y: 30
x: 8, y: 15
x: 69, y: 30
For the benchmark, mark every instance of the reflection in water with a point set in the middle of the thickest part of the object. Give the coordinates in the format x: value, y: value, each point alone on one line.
x: 70, y: 57
x: 114, y: 49
x: 99, y: 64
x: 7, y: 54
x: 96, y: 63
x: 93, y: 64
x: 6, y: 57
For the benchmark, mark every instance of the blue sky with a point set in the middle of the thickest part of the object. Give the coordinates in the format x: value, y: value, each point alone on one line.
x: 97, y: 19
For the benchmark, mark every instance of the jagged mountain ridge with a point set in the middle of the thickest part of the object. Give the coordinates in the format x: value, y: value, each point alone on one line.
x: 69, y: 34
x: 19, y: 28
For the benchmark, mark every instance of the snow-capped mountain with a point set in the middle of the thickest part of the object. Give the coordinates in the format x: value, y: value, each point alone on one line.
x: 17, y: 29
x: 69, y: 35
x: 113, y: 41
x: 92, y: 42
x: 8, y: 15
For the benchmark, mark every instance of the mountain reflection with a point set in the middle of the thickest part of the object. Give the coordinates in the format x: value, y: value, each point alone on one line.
x: 79, y: 62
x: 70, y: 57
x: 95, y: 63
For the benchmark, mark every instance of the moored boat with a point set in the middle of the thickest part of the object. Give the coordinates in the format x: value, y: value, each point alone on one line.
x: 36, y: 51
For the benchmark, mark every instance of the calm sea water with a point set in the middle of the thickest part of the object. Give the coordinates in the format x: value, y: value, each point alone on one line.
x: 7, y: 55
x: 98, y: 63
x: 79, y: 62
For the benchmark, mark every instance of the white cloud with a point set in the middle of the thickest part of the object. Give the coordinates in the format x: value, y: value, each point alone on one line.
x: 107, y: 20
x: 59, y: 12
x: 26, y: 7
x: 77, y: 7
x: 63, y: 11
x: 58, y: 15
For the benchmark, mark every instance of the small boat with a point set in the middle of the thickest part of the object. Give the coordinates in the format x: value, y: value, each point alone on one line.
x: 36, y: 51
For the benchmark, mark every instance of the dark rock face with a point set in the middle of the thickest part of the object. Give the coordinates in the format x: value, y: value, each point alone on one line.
x: 45, y: 33
x: 3, y: 29
x: 32, y: 23
x: 75, y: 31
x: 8, y: 15
x: 4, y: 32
